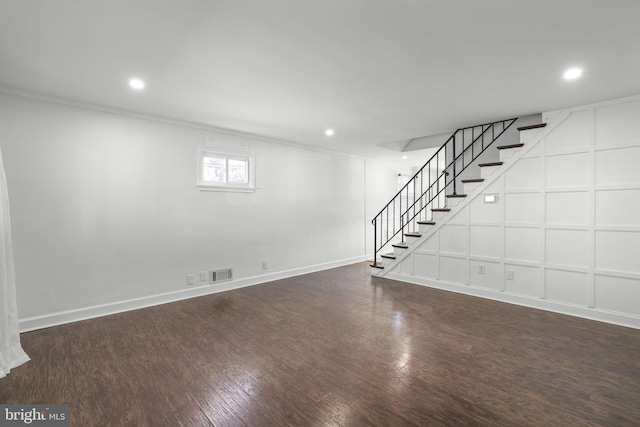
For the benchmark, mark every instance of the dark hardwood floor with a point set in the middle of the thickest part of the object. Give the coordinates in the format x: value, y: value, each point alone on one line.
x: 334, y: 348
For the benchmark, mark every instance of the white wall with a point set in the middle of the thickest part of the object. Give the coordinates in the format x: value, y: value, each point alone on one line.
x: 381, y: 186
x: 106, y: 213
x: 565, y: 233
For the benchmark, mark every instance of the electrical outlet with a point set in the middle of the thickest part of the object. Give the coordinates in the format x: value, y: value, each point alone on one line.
x: 203, y: 276
x: 482, y: 268
x: 510, y: 274
x: 264, y: 265
x: 190, y: 279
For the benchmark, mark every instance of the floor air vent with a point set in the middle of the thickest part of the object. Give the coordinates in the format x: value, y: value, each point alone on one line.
x: 221, y: 275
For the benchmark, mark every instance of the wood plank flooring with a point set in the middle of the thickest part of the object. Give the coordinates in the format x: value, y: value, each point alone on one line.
x: 334, y: 348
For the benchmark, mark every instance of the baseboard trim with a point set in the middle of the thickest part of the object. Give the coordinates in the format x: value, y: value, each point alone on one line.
x: 70, y: 316
x: 599, y: 315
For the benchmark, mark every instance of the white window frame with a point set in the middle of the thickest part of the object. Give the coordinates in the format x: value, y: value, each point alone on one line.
x: 206, y: 151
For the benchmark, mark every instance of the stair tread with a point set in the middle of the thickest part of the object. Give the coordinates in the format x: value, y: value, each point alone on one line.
x: 377, y: 266
x: 491, y: 164
x: 466, y: 181
x: 503, y: 147
x: 400, y: 245
x: 413, y: 234
x: 390, y: 256
x: 427, y: 222
x: 456, y: 195
x: 539, y: 125
x: 440, y: 210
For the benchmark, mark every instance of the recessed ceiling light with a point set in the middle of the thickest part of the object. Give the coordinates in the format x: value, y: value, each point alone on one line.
x: 404, y: 157
x: 328, y: 132
x: 136, y: 84
x: 572, y: 73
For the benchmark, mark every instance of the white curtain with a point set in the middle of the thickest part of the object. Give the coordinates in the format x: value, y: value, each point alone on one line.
x: 11, y: 353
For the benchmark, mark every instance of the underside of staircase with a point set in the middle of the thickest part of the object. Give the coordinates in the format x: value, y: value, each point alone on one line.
x: 412, y: 234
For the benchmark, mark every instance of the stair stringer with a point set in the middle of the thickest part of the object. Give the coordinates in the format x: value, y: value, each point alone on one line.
x: 530, y: 139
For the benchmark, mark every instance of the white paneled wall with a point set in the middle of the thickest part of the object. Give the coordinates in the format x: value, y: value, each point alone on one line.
x: 564, y: 234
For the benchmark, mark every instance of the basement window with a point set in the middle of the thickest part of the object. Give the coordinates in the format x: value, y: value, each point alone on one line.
x: 225, y: 170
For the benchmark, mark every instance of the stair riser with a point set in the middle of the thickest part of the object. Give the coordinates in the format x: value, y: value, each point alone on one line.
x: 452, y: 202
x: 487, y: 171
x: 425, y: 228
x: 398, y: 251
x: 470, y: 187
x: 508, y: 153
x: 527, y: 136
x: 438, y: 216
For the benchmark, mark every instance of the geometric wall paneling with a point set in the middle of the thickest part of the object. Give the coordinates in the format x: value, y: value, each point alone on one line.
x: 566, y: 286
x: 525, y: 281
x: 522, y: 208
x: 453, y: 269
x: 431, y: 244
x: 617, y: 125
x: 524, y: 175
x: 618, y: 166
x: 573, y: 136
x: 567, y: 208
x: 486, y: 212
x: 453, y: 239
x: 618, y: 251
x: 618, y: 294
x: 484, y: 274
x: 567, y: 170
x: 425, y: 265
x: 618, y: 208
x: 406, y: 266
x: 567, y: 248
x: 485, y: 241
x: 522, y: 244
x: 460, y: 217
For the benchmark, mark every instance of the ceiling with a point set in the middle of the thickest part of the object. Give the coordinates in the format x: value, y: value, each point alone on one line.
x: 378, y: 72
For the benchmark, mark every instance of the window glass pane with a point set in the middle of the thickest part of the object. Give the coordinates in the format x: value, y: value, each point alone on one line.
x: 213, y: 169
x: 238, y: 171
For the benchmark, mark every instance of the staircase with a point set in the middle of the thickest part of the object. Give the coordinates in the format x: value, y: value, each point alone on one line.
x: 429, y: 196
